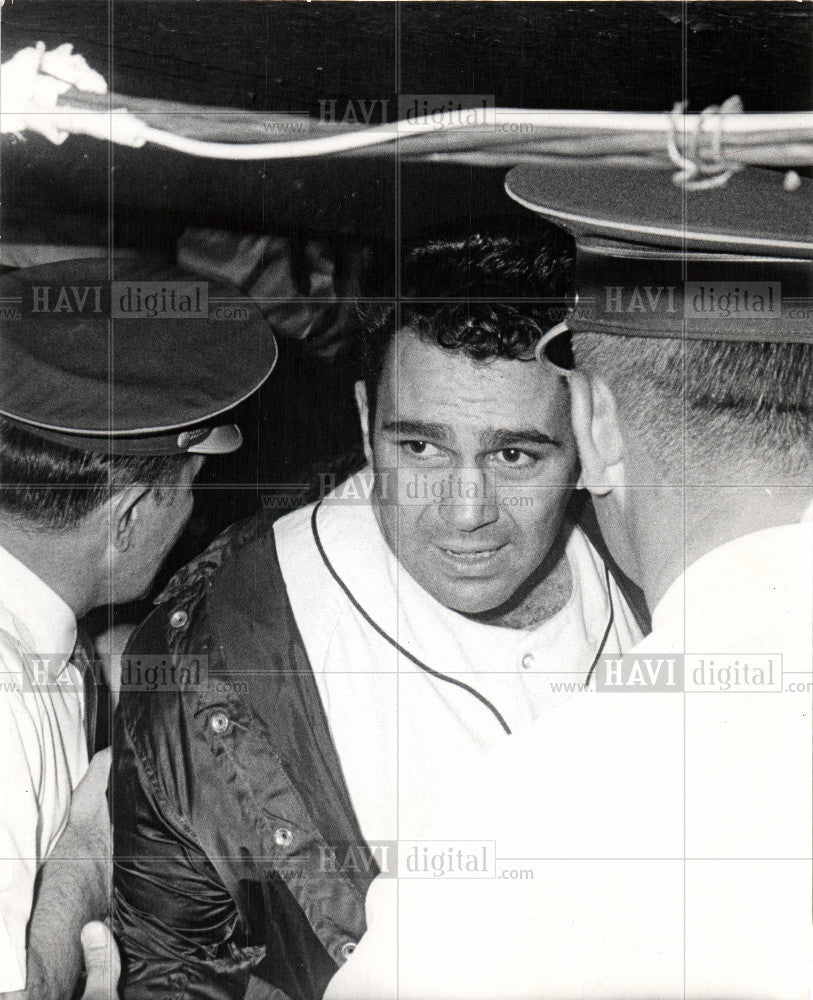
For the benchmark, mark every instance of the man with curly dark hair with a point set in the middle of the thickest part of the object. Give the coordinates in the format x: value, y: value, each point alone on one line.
x: 367, y: 647
x: 450, y: 409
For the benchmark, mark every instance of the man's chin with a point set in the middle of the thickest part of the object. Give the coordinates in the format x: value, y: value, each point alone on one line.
x: 472, y: 598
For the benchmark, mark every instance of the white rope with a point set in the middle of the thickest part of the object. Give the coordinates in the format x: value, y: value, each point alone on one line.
x: 35, y: 95
x: 31, y: 83
x: 711, y: 162
x: 543, y: 121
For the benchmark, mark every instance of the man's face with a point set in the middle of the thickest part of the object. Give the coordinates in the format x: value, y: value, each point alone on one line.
x: 474, y: 464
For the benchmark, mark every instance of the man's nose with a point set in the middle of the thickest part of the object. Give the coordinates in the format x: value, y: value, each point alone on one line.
x: 470, y: 502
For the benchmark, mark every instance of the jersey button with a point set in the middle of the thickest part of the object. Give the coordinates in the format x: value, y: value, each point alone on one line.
x: 178, y: 618
x: 347, y: 949
x: 527, y: 661
x: 283, y: 837
x: 220, y: 723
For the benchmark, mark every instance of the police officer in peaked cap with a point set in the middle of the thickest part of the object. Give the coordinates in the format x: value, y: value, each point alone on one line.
x: 116, y: 379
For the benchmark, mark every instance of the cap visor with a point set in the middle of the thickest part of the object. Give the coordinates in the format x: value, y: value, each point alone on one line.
x: 219, y: 441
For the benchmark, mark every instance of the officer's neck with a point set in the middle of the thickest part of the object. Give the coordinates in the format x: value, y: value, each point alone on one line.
x: 65, y: 560
x: 698, y: 521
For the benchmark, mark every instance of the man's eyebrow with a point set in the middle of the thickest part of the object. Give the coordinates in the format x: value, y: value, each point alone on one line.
x: 498, y: 439
x: 416, y: 429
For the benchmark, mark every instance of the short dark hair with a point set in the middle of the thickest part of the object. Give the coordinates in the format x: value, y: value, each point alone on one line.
x: 487, y: 296
x: 713, y: 401
x: 53, y: 487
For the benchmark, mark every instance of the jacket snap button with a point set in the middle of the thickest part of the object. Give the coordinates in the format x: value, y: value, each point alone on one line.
x: 527, y: 661
x: 178, y: 618
x: 348, y: 948
x: 219, y: 723
x: 283, y: 837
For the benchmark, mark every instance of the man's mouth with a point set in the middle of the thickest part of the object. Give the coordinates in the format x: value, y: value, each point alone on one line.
x: 471, y: 556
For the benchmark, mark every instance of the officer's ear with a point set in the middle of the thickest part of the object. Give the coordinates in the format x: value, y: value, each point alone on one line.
x: 127, y: 510
x: 598, y: 434
x: 364, y: 419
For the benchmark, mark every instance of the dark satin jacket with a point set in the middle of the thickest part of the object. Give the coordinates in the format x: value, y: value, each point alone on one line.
x: 228, y: 801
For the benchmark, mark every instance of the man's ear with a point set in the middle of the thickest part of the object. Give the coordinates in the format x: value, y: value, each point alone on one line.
x: 598, y: 434
x: 364, y: 419
x: 125, y: 510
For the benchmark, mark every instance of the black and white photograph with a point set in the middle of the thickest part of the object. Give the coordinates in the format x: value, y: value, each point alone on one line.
x: 406, y: 500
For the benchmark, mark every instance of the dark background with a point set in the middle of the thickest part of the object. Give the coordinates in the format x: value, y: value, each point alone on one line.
x: 287, y: 56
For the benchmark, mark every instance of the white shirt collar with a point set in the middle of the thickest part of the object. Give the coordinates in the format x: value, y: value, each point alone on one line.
x: 49, y: 622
